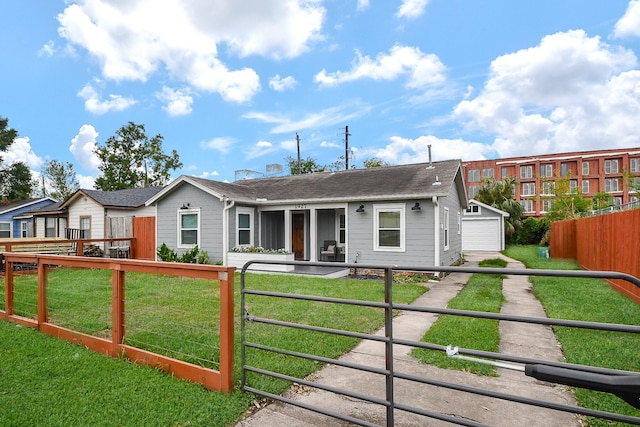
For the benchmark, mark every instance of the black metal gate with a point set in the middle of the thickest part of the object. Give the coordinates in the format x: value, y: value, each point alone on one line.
x: 623, y: 384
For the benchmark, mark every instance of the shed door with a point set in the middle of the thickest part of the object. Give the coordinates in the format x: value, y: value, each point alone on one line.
x: 481, y: 235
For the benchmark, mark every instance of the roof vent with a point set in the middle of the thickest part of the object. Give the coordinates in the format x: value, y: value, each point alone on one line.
x: 437, y: 181
x: 430, y: 163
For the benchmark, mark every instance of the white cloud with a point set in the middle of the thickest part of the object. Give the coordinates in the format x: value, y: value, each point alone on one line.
x: 422, y: 70
x: 261, y: 148
x: 629, y: 24
x: 179, y: 101
x: 209, y: 175
x: 20, y: 151
x: 93, y: 104
x: 86, y: 181
x: 131, y: 40
x: 48, y: 49
x: 222, y: 144
x: 411, y: 9
x: 405, y: 150
x: 569, y: 91
x: 363, y: 5
x: 280, y: 84
x: 83, y: 147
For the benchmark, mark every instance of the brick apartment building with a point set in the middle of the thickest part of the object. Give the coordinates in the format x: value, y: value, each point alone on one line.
x: 590, y: 172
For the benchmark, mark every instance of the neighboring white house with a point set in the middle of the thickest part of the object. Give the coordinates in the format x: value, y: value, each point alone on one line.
x: 483, y: 228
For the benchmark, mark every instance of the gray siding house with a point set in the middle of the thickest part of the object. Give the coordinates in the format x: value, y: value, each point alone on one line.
x: 408, y: 215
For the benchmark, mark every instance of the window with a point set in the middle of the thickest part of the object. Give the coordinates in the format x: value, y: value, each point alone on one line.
x: 24, y: 229
x: 445, y: 221
x: 634, y: 165
x: 487, y: 173
x: 473, y: 210
x: 611, y: 166
x: 5, y: 229
x: 342, y: 229
x: 610, y: 185
x: 634, y: 184
x: 389, y: 227
x: 573, y: 186
x: 585, y: 187
x: 527, y: 205
x: 546, y: 171
x: 548, y: 187
x: 547, y: 204
x: 85, y: 227
x: 585, y: 168
x: 188, y: 228
x: 617, y: 201
x: 474, y: 175
x: 50, y: 227
x: 529, y: 189
x: 473, y: 190
x: 245, y: 227
x: 504, y: 173
x: 526, y: 172
x: 459, y: 224
x: 564, y: 169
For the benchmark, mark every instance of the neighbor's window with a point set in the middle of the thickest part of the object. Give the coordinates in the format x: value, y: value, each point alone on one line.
x: 548, y: 187
x: 634, y: 184
x: 585, y: 168
x: 5, y: 229
x: 50, y: 227
x: 504, y: 172
x: 573, y: 186
x: 546, y: 171
x: 85, y: 227
x: 564, y: 169
x: 585, y: 187
x: 611, y: 185
x: 188, y: 228
x: 474, y: 175
x: 527, y: 205
x: 526, y: 172
x: 634, y: 165
x: 389, y: 227
x: 24, y: 229
x: 611, y: 166
x: 547, y: 204
x: 529, y: 189
x: 245, y: 227
x: 487, y: 173
x: 473, y: 190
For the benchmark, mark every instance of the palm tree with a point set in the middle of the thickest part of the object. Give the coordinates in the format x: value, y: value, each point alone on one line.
x: 499, y: 195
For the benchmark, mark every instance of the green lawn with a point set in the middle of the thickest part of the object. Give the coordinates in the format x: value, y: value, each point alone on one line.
x: 46, y: 381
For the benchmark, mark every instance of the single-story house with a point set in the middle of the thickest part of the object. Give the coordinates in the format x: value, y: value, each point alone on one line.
x: 408, y: 215
x: 15, y: 219
x: 95, y: 214
x: 483, y: 227
x: 49, y: 221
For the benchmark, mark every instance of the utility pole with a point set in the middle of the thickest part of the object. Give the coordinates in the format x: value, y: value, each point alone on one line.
x: 346, y: 147
x: 298, y: 142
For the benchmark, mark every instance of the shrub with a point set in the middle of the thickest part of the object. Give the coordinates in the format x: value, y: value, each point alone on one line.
x: 192, y: 256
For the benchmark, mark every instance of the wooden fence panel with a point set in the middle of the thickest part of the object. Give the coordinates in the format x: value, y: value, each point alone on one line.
x: 144, y: 231
x: 608, y: 242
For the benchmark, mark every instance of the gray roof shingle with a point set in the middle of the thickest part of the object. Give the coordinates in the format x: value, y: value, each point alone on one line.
x: 129, y: 198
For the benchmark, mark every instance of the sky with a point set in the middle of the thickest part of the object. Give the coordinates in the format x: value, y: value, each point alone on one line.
x: 231, y: 84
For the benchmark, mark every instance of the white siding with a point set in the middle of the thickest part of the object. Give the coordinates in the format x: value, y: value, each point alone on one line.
x: 84, y: 206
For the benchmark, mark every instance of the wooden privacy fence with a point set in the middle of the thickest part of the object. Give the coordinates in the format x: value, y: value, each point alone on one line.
x: 606, y: 242
x: 221, y: 380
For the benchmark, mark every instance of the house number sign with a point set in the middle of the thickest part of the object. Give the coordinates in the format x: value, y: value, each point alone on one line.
x: 300, y: 206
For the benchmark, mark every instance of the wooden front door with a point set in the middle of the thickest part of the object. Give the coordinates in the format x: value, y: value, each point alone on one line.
x: 297, y: 235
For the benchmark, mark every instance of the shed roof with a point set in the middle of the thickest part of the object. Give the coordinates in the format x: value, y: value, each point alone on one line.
x: 127, y: 199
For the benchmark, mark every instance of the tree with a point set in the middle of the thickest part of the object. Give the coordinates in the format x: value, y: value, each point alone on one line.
x: 601, y: 200
x: 567, y: 203
x: 15, y: 180
x: 307, y: 165
x: 374, y: 162
x: 62, y: 179
x: 131, y: 160
x: 499, y: 194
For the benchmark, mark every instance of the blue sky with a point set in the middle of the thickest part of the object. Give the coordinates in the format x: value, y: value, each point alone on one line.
x: 228, y: 84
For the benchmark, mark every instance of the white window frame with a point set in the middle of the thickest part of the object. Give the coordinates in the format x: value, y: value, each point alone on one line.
x: 548, y: 188
x: 528, y: 189
x: 547, y: 204
x: 611, y: 166
x: 585, y: 186
x: 377, y: 210
x: 504, y: 172
x: 179, y: 228
x: 47, y: 220
x: 24, y: 229
x: 9, y: 229
x: 473, y: 190
x: 546, y: 171
x: 585, y: 168
x: 573, y: 186
x: 611, y: 185
x: 634, y: 164
x: 250, y: 212
x: 473, y: 210
x: 564, y: 169
x: 487, y: 173
x: 527, y: 205
x: 474, y: 175
x: 445, y: 223
x: 526, y: 172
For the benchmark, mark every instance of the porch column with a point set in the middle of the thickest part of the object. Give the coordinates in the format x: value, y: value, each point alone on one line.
x: 313, y: 235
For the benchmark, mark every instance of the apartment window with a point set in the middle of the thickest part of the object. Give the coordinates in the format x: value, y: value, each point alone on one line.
x: 547, y: 204
x: 487, y: 173
x: 573, y: 186
x: 85, y: 227
x: 188, y: 228
x: 527, y: 205
x: 473, y: 190
x: 389, y: 227
x: 611, y: 166
x: 526, y: 172
x: 49, y: 227
x: 473, y: 210
x: 634, y: 184
x: 611, y: 185
x: 5, y: 229
x: 546, y: 171
x: 548, y: 187
x: 445, y: 220
x: 474, y: 175
x: 564, y: 169
x: 244, y: 228
x: 504, y: 173
x: 634, y: 165
x: 585, y: 187
x: 585, y: 168
x: 617, y: 201
x: 528, y: 189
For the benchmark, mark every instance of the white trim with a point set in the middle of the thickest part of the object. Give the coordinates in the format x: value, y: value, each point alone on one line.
x: 10, y: 223
x: 446, y: 230
x: 250, y: 212
x: 179, y: 214
x: 396, y: 207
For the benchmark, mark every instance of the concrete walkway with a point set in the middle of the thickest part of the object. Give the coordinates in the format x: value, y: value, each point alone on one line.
x: 518, y: 339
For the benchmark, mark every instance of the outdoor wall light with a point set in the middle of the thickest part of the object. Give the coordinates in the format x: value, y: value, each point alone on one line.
x: 185, y: 206
x: 416, y: 207
x: 360, y: 209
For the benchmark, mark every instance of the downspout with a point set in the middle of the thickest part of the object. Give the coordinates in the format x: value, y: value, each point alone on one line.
x: 436, y: 231
x: 228, y: 204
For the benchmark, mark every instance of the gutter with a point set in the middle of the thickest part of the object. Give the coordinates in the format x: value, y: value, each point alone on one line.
x: 436, y: 231
x: 228, y: 204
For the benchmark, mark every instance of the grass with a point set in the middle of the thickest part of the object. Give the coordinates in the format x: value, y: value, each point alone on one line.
x: 483, y: 292
x: 46, y: 381
x: 589, y: 300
